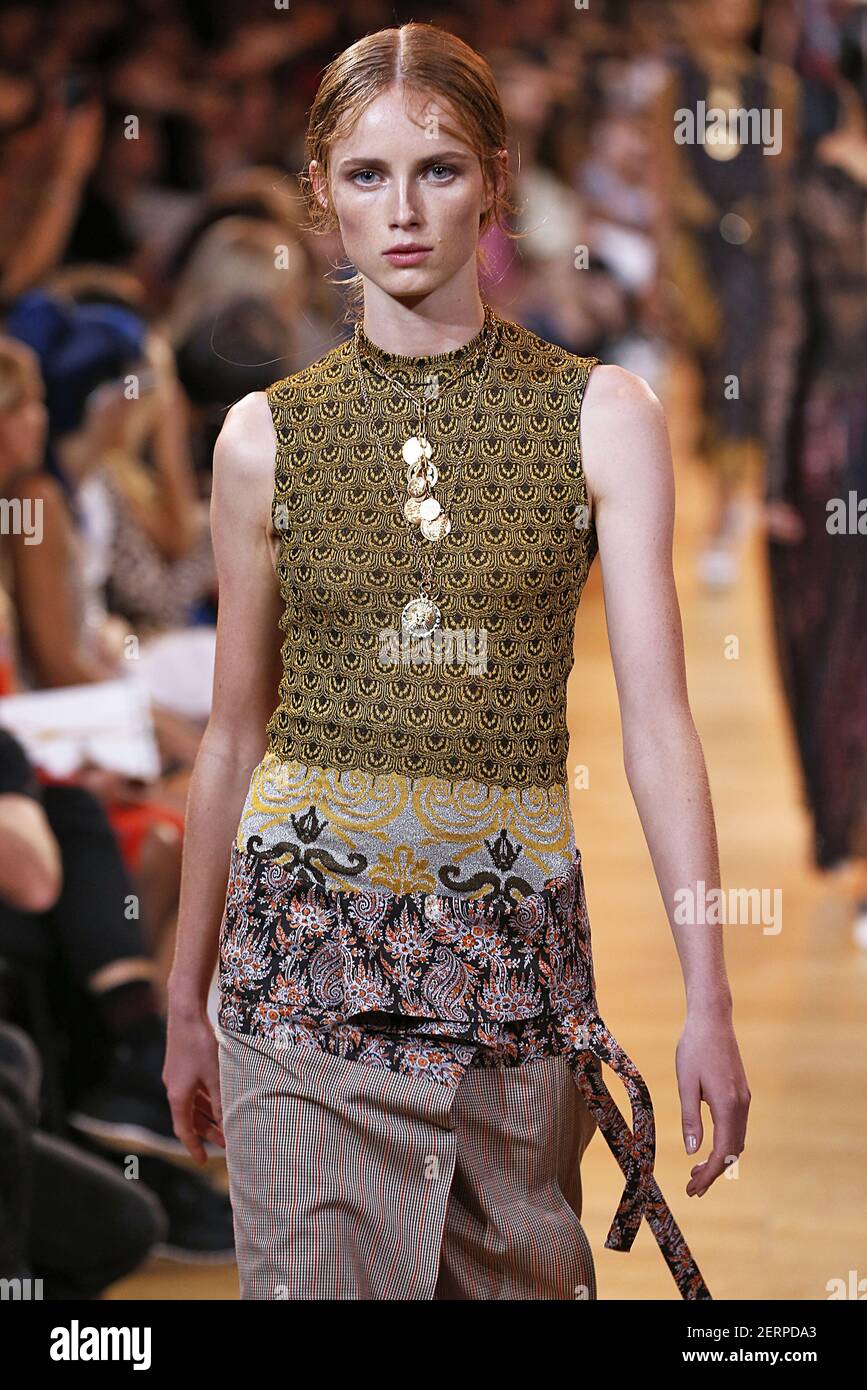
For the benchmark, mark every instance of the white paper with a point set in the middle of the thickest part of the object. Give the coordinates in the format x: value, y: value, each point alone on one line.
x: 107, y: 722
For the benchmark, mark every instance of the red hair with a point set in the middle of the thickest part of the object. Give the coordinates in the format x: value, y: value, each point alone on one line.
x: 427, y: 61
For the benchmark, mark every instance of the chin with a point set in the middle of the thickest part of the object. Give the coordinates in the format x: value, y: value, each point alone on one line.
x: 414, y: 278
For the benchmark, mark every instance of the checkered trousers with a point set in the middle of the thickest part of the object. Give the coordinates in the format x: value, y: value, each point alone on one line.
x: 353, y: 1181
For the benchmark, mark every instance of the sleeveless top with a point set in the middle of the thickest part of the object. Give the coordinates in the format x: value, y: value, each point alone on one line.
x: 446, y: 771
x: 404, y: 884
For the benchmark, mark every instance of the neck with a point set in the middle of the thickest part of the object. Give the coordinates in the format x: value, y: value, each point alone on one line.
x: 423, y: 328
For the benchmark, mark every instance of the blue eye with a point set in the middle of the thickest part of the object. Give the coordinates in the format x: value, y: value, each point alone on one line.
x: 364, y: 183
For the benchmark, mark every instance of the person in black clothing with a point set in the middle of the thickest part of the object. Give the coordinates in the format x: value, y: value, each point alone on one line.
x: 91, y: 1077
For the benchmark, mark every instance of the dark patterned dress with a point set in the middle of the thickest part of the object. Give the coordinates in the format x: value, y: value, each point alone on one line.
x: 816, y: 434
x: 405, y: 886
x: 718, y: 254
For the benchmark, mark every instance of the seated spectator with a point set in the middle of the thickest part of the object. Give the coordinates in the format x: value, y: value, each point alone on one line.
x: 64, y: 895
x: 41, y: 593
x: 70, y: 1223
x: 93, y: 482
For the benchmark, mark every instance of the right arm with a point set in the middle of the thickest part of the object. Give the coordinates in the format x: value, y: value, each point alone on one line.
x: 246, y: 681
x: 48, y: 612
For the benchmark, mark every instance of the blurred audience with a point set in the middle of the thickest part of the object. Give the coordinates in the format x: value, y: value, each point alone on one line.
x: 82, y: 1047
x: 718, y: 190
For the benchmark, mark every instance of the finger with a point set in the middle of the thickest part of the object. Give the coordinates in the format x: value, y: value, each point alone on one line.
x: 213, y: 1112
x: 707, y: 1172
x: 204, y: 1118
x: 690, y: 1114
x: 202, y: 1115
x: 210, y: 1132
x: 184, y: 1130
x: 212, y: 1090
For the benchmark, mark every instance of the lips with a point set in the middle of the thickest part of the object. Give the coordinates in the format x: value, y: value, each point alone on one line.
x: 405, y: 250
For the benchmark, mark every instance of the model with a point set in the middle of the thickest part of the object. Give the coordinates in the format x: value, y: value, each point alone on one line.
x: 407, y: 991
x: 817, y: 475
x: 715, y: 246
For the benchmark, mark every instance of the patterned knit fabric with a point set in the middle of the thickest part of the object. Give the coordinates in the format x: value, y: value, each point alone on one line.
x: 511, y: 571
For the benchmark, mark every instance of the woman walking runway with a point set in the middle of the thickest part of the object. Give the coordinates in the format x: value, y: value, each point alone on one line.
x: 411, y: 1055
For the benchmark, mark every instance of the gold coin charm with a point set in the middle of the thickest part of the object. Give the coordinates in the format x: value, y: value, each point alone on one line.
x: 419, y: 507
x: 420, y: 616
x: 416, y: 448
x: 429, y: 508
x: 439, y: 526
x: 417, y: 485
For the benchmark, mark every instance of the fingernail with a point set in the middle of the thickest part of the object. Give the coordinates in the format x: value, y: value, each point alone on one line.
x: 691, y: 1143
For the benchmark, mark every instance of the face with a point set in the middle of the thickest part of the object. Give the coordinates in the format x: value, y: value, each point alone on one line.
x: 400, y: 179
x: 732, y: 22
x: 23, y: 432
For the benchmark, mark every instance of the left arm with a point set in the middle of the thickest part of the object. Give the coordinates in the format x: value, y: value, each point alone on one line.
x: 628, y: 467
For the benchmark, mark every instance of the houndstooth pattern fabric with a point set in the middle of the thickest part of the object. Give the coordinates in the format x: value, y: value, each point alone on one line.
x: 350, y: 1181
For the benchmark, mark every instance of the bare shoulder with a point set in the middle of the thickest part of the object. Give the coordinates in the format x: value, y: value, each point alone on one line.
x: 36, y: 484
x: 615, y: 394
x: 244, y: 450
x: 624, y: 435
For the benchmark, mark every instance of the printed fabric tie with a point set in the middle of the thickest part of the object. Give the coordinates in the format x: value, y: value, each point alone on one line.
x: 589, y: 1043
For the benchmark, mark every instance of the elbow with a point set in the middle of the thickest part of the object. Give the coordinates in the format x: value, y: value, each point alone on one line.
x: 657, y: 743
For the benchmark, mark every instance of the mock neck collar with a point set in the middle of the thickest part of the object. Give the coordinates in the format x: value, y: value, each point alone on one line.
x: 455, y: 358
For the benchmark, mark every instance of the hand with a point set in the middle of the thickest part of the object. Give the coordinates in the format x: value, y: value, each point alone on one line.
x: 709, y: 1068
x: 111, y: 786
x: 110, y: 640
x: 191, y: 1076
x: 107, y: 417
x: 160, y: 357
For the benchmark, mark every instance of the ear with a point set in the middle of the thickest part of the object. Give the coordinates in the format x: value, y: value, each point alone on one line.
x: 319, y: 182
x: 499, y: 173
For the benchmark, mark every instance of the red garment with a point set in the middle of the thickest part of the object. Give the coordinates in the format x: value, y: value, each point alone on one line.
x: 132, y: 823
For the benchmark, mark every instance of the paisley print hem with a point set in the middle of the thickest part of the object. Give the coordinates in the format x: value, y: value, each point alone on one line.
x: 293, y: 950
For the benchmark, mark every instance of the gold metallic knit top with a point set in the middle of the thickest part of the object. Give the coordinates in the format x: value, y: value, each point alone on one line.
x: 489, y: 702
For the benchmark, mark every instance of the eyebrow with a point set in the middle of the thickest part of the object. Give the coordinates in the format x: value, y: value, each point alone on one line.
x: 428, y: 159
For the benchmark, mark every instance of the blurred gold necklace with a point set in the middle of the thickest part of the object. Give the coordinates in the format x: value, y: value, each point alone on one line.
x: 724, y: 94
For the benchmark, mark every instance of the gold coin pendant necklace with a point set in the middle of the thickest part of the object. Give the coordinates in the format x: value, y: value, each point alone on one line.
x: 423, y: 513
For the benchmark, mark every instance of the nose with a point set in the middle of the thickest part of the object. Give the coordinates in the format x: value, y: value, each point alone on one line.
x: 403, y: 210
